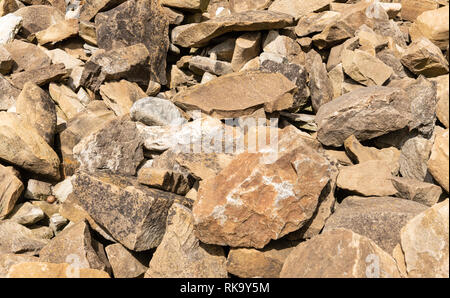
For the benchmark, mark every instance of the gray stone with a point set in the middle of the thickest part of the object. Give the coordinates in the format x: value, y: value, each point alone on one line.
x: 424, y: 193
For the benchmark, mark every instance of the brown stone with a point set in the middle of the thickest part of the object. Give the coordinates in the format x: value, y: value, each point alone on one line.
x: 58, y: 32
x: 164, y: 179
x: 442, y: 107
x: 91, y: 7
x: 10, y: 189
x: 120, y: 96
x: 247, y: 47
x: 39, y: 76
x: 411, y: 9
x: 434, y: 25
x: 27, y: 56
x: 414, y: 156
x: 6, y: 61
x: 319, y: 83
x: 298, y: 9
x: 51, y: 270
x: 18, y: 239
x: 438, y: 162
x: 8, y: 94
x: 38, y: 17
x: 8, y: 260
x: 123, y: 263
x: 424, y: 193
x: 315, y: 22
x: 66, y: 99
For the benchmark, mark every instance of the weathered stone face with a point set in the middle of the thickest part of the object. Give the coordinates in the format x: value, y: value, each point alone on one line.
x: 123, y: 263
x: 249, y: 202
x: 38, y: 17
x: 438, y: 162
x: 149, y: 26
x: 10, y: 190
x: 51, y: 270
x: 18, y: 239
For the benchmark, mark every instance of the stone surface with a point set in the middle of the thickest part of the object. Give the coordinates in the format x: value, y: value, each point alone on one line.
x: 51, y: 270
x: 370, y: 178
x: 442, y: 107
x: 74, y: 242
x: 250, y: 92
x: 284, y: 46
x: 377, y: 218
x: 190, y: 5
x: 315, y: 22
x: 195, y: 35
x: 8, y: 94
x: 339, y: 253
x: 181, y: 254
x: 10, y: 25
x: 27, y: 56
x: 130, y: 63
x: 22, y: 145
x: 424, y: 193
x: 438, y: 162
x: 156, y: 111
x: 319, y: 83
x: 10, y: 189
x: 250, y: 202
x: 149, y: 26
x: 66, y: 99
x: 411, y: 9
x: 164, y: 179
x: 298, y: 9
x: 115, y: 147
x: 414, y: 156
x: 434, y: 25
x: 424, y: 241
x: 365, y: 113
x: 18, y: 239
x: 38, y: 109
x: 247, y: 47
x: 423, y: 57
x: 58, y: 32
x: 26, y: 214
x: 38, y: 17
x: 39, y: 76
x: 91, y: 7
x: 8, y: 260
x: 136, y: 214
x: 123, y: 263
x: 199, y: 65
x: 6, y: 61
x: 120, y: 96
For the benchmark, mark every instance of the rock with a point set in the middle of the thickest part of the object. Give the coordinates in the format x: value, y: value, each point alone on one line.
x: 120, y: 96
x: 364, y: 68
x: 438, y: 162
x: 389, y: 57
x: 191, y: 5
x: 339, y: 253
x: 8, y: 6
x: 284, y: 46
x: 10, y: 25
x: 10, y: 189
x: 115, y: 147
x: 58, y: 32
x: 423, y: 57
x: 123, y: 263
x: 199, y: 65
x: 8, y: 94
x: 319, y: 83
x: 315, y: 22
x: 365, y: 113
x: 51, y: 270
x: 250, y: 92
x: 424, y: 241
x: 74, y: 242
x: 130, y: 63
x: 156, y: 111
x: 137, y: 214
x: 59, y: 56
x: 411, y: 9
x: 6, y: 61
x: 88, y: 33
x: 66, y: 99
x: 442, y: 107
x: 223, y: 51
x: 199, y: 34
x: 23, y: 146
x: 296, y: 74
x: 225, y: 211
x: 434, y: 25
x: 90, y: 8
x: 38, y: 17
x: 27, y: 56
x: 360, y: 154
x: 414, y: 156
x: 8, y: 260
x: 181, y: 78
x: 370, y: 178
x: 204, y: 165
x: 181, y: 254
x: 297, y: 9
x: 63, y: 189
x: 18, y: 239
x: 39, y: 76
x: 36, y: 106
x: 57, y: 222
x: 253, y: 263
x: 164, y: 179
x: 26, y: 214
x: 424, y: 193
x: 149, y: 26
x: 377, y: 218
x: 247, y: 47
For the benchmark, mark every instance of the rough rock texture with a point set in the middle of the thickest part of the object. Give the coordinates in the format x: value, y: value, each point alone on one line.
x: 51, y: 270
x: 10, y: 26
x: 424, y: 193
x: 339, y: 253
x: 377, y: 218
x: 149, y: 26
x: 123, y: 263
x: 8, y: 94
x: 40, y: 76
x: 442, y: 107
x: 8, y: 260
x: 36, y: 18
x: 18, y: 239
x: 26, y: 56
x: 250, y: 202
x: 424, y: 241
x: 297, y: 9
x: 120, y: 96
x: 438, y: 162
x: 156, y: 111
x: 414, y: 156
x: 365, y: 113
x: 434, y: 25
x: 136, y: 214
x: 26, y: 214
x: 181, y: 254
x: 10, y: 189
x: 319, y: 83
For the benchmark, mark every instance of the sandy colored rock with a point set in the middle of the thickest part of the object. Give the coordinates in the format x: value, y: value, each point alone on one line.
x: 424, y: 193
x: 66, y: 99
x: 8, y: 260
x: 438, y: 162
x: 377, y: 218
x: 195, y: 35
x: 424, y: 241
x: 87, y: 32
x: 181, y: 254
x: 18, y: 239
x: 199, y: 65
x: 204, y: 165
x: 10, y: 26
x: 10, y: 189
x: 8, y: 94
x: 27, y: 56
x: 250, y: 91
x: 164, y: 179
x: 411, y: 9
x: 58, y: 32
x: 284, y: 46
x: 365, y: 113
x: 319, y: 83
x: 123, y: 263
x: 22, y: 145
x: 442, y: 107
x: 120, y: 96
x: 8, y: 6
x: 250, y: 202
x: 36, y: 106
x: 40, y: 76
x: 298, y: 9
x: 38, y: 17
x: 6, y: 61
x: 339, y: 253
x: 26, y: 214
x: 91, y: 7
x: 190, y: 5
x: 414, y: 156
x: 315, y: 22
x: 51, y: 270
x: 156, y: 111
x: 434, y: 25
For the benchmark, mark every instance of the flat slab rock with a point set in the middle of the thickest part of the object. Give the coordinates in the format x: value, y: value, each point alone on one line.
x: 239, y: 94
x: 132, y: 214
x: 199, y: 34
x: 51, y: 270
x: 377, y: 218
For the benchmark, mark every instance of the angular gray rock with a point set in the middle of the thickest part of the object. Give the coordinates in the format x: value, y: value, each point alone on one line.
x: 156, y: 111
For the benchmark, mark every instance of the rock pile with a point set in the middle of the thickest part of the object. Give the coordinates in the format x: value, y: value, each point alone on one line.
x: 224, y: 138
